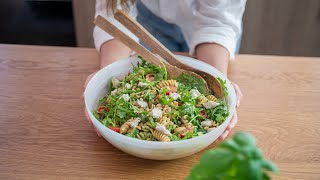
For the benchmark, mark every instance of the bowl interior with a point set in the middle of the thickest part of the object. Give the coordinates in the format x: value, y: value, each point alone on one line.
x: 99, y: 85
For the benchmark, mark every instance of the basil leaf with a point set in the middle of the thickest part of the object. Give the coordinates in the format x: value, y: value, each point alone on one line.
x: 257, y: 153
x: 268, y: 165
x: 265, y: 176
x: 231, y: 145
x: 249, y: 170
x: 218, y: 160
x: 237, y: 158
x: 243, y: 139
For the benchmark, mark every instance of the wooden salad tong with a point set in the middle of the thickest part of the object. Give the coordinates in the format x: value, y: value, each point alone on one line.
x: 175, y: 68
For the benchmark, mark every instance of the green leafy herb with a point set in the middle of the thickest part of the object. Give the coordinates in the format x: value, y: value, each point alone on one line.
x: 219, y: 113
x: 187, y: 109
x: 174, y: 137
x: 236, y: 158
x: 223, y: 83
x: 165, y: 100
x: 133, y: 133
x: 193, y: 81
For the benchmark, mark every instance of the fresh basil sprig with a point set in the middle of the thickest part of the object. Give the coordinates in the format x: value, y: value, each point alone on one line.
x: 236, y: 158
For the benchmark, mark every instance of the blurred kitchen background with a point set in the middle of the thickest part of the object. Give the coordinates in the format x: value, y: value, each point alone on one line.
x: 271, y: 27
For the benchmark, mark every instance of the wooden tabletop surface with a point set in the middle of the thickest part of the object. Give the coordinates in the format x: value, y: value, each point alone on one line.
x: 44, y: 134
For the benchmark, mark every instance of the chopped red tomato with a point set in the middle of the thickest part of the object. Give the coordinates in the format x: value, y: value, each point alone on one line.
x: 100, y: 109
x: 204, y: 114
x: 116, y: 129
x: 182, y: 135
x: 179, y: 103
x: 167, y: 93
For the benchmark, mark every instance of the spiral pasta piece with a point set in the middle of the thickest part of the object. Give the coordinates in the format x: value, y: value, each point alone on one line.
x: 145, y: 127
x: 120, y: 89
x: 184, y: 119
x: 124, y: 128
x: 201, y: 100
x: 165, y: 121
x: 153, y: 91
x: 212, y: 98
x: 167, y: 83
x: 187, y: 125
x: 160, y: 136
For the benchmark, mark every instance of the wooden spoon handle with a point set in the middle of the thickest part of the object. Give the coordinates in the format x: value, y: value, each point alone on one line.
x: 147, y: 38
x: 108, y: 27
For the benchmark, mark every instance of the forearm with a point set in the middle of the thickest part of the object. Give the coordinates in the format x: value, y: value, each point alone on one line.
x: 112, y: 51
x: 213, y: 54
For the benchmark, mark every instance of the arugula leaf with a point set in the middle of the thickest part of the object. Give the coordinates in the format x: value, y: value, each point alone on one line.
x: 219, y: 114
x: 121, y: 114
x: 160, y: 75
x: 165, y: 100
x: 96, y: 115
x: 133, y: 133
x: 149, y: 96
x: 187, y: 109
x: 174, y: 137
x: 151, y: 120
x: 223, y: 83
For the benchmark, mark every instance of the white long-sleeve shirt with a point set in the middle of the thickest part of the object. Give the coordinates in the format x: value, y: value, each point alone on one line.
x: 201, y: 21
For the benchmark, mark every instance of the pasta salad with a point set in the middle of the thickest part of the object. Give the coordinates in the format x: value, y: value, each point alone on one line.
x: 147, y: 105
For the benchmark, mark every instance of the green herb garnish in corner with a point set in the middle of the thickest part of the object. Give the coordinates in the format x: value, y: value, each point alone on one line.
x: 237, y: 158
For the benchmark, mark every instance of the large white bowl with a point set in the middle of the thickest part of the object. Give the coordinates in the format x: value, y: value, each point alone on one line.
x: 97, y: 88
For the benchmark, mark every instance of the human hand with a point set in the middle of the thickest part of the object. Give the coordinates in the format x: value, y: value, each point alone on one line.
x: 85, y: 110
x: 234, y: 119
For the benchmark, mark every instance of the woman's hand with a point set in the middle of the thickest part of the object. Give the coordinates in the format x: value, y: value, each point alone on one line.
x: 234, y: 119
x: 218, y: 57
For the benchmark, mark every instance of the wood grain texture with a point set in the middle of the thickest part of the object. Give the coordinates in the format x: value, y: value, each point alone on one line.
x: 44, y: 134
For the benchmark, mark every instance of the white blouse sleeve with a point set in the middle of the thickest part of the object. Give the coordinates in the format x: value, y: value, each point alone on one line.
x: 101, y: 36
x: 218, y: 21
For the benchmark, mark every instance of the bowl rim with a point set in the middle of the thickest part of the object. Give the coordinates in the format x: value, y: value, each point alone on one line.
x: 160, y: 143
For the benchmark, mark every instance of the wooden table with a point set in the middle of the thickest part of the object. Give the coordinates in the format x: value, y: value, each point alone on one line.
x: 44, y: 135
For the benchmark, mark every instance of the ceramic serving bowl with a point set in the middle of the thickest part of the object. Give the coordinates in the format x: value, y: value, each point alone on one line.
x: 99, y: 85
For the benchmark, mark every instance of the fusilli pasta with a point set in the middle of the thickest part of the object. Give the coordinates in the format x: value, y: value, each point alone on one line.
x: 167, y: 83
x: 212, y: 98
x: 160, y: 136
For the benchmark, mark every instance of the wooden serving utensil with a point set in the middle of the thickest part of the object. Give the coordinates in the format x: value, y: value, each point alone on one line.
x: 173, y: 71
x: 160, y: 49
